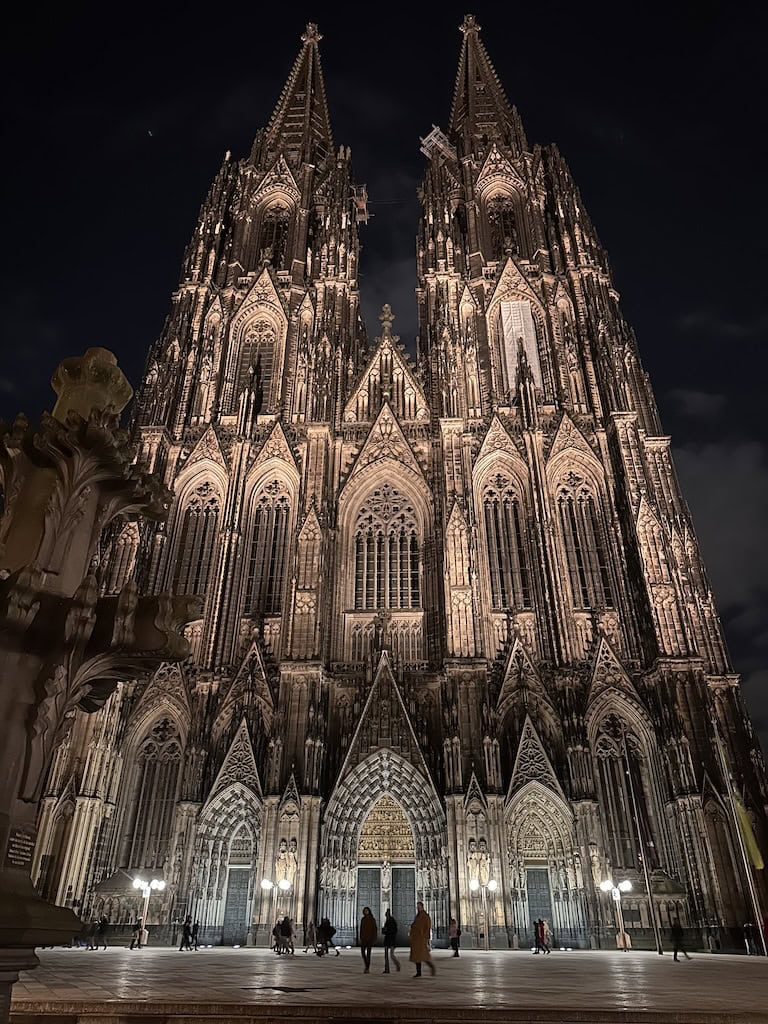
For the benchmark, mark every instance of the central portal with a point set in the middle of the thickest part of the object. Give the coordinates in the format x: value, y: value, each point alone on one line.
x: 386, y: 874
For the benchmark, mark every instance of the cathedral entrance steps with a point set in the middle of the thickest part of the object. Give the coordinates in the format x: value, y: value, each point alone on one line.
x: 25, y: 1012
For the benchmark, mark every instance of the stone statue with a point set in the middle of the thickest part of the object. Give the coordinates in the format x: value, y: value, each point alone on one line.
x: 386, y: 876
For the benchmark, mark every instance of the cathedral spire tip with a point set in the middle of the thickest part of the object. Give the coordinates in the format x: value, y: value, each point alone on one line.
x: 470, y: 25
x: 311, y: 33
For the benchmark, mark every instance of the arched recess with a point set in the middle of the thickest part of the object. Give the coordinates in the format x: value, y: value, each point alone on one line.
x: 224, y: 865
x: 545, y: 864
x: 723, y: 858
x: 507, y: 547
x: 382, y: 775
x: 516, y: 316
x: 52, y: 861
x: 122, y: 562
x: 256, y: 349
x: 270, y: 507
x: 385, y: 527
x: 628, y: 775
x: 149, y: 787
x: 503, y: 229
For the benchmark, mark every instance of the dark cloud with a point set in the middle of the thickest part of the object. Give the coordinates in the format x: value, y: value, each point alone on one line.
x: 712, y: 324
x: 698, y: 404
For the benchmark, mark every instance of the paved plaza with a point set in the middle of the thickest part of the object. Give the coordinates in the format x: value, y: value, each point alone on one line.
x: 504, y: 985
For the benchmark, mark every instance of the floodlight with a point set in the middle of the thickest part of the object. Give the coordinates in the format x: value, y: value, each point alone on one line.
x: 474, y: 884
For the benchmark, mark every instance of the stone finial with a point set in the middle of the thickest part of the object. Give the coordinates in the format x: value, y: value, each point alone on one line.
x: 311, y: 34
x: 92, y: 381
x: 469, y: 24
x: 386, y: 316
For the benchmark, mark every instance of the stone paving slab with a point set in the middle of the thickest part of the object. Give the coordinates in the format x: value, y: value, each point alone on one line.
x: 155, y: 986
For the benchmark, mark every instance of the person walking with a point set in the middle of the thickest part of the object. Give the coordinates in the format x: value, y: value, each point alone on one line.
x: 195, y: 934
x: 310, y: 938
x: 286, y: 935
x: 101, y: 931
x: 546, y: 936
x: 419, y: 933
x: 325, y: 934
x: 389, y: 931
x: 369, y: 931
x: 137, y: 932
x: 678, y: 939
x: 186, y: 934
x: 454, y: 935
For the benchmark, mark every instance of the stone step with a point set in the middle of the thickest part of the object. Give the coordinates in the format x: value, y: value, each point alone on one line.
x: 125, y: 1012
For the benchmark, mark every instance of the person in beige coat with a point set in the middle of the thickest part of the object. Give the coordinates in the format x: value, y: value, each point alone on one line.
x: 419, y: 933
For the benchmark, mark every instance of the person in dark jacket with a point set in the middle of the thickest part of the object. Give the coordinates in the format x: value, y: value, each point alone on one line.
x: 195, y: 934
x: 186, y: 934
x: 389, y: 931
x: 137, y: 932
x: 678, y: 938
x: 101, y: 931
x: 454, y: 935
x: 369, y: 930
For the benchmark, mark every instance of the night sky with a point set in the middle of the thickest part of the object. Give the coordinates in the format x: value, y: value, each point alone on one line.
x: 117, y: 118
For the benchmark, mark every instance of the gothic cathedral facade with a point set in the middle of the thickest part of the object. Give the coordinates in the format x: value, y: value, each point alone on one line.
x: 455, y: 641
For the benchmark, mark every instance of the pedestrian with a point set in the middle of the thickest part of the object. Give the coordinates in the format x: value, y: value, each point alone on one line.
x: 421, y: 928
x: 101, y: 931
x: 277, y: 942
x: 137, y: 931
x: 368, y: 932
x: 389, y: 931
x: 286, y: 935
x: 310, y: 939
x: 537, y: 937
x: 546, y: 936
x: 454, y: 935
x: 325, y: 934
x: 89, y: 934
x: 195, y: 934
x: 186, y: 934
x: 678, y: 938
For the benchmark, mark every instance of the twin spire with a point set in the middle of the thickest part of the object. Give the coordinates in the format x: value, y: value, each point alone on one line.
x: 300, y: 126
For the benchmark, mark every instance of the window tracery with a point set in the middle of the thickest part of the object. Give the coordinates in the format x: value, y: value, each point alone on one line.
x: 197, y: 540
x: 584, y: 538
x: 267, y: 556
x: 274, y: 234
x: 387, y: 552
x: 506, y: 539
x: 502, y: 222
x: 153, y: 794
x: 256, y: 359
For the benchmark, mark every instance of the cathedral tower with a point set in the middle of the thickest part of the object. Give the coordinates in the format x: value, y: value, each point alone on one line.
x: 457, y: 642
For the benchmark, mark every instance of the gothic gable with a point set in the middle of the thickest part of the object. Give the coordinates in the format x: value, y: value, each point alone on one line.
x: 397, y: 370
x: 278, y: 179
x: 532, y: 763
x: 474, y: 800
x: 609, y: 674
x: 207, y: 449
x: 290, y: 803
x: 251, y: 683
x: 276, y: 447
x: 520, y: 674
x: 167, y: 686
x: 512, y: 283
x: 386, y: 440
x: 262, y: 294
x: 496, y: 166
x: 569, y: 437
x: 497, y: 440
x: 239, y: 766
x: 384, y: 724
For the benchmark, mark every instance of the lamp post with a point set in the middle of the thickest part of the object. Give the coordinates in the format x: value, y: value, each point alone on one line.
x: 156, y: 885
x: 267, y: 885
x: 616, y: 891
x: 484, y: 888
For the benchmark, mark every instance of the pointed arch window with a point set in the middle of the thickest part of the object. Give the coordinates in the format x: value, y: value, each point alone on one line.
x: 196, y: 545
x: 124, y: 555
x: 585, y: 541
x: 256, y: 360
x: 502, y: 224
x: 622, y: 770
x: 507, y: 544
x: 151, y: 798
x: 387, y: 552
x: 268, y: 550
x: 274, y: 234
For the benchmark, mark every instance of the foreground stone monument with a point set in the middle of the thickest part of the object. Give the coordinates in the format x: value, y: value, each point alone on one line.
x: 62, y: 646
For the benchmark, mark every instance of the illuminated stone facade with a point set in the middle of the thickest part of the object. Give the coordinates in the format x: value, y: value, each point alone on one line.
x: 463, y: 593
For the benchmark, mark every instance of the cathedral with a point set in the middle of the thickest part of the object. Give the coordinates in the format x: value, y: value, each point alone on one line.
x: 455, y: 641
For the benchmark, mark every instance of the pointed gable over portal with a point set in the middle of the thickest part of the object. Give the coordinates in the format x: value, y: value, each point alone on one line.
x: 384, y: 723
x: 532, y: 763
x: 239, y: 765
x: 386, y: 441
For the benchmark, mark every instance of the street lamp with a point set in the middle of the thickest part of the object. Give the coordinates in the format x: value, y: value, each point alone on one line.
x: 484, y: 887
x: 616, y: 891
x: 156, y: 884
